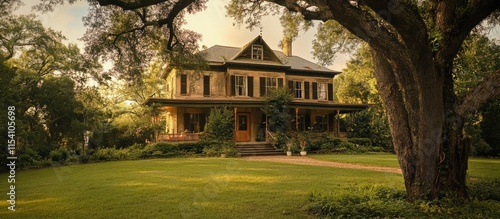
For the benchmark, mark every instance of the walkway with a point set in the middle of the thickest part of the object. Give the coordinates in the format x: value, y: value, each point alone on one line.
x: 314, y: 162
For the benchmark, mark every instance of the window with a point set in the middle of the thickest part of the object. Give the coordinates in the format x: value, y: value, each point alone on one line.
x: 194, y: 122
x: 183, y: 84
x: 257, y: 52
x: 297, y: 89
x: 271, y: 83
x: 321, y: 91
x: 240, y: 84
x: 321, y: 123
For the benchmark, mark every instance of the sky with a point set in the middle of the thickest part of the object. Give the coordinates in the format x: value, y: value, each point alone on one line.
x: 216, y: 28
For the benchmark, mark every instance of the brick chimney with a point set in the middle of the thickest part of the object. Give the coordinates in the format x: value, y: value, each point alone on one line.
x: 287, y: 46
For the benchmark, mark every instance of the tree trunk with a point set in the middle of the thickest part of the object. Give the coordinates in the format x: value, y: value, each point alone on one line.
x: 431, y: 151
x: 455, y: 149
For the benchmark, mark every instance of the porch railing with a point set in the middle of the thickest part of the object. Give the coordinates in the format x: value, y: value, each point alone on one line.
x: 178, y: 137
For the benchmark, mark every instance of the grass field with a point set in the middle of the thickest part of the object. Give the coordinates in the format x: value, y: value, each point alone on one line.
x: 193, y: 187
x: 174, y: 188
x: 478, y: 167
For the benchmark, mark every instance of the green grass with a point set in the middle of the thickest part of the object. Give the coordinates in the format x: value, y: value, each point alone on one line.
x: 196, y: 187
x: 180, y: 187
x: 478, y: 167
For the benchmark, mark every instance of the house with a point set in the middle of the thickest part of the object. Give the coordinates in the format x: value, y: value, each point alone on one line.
x: 240, y: 78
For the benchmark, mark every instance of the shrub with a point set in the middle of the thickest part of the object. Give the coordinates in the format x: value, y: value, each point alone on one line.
x: 280, y: 141
x: 28, y: 158
x: 485, y: 189
x: 360, y: 141
x: 381, y: 202
x: 215, y: 149
x: 220, y: 125
x: 163, y: 149
x: 359, y: 202
x: 60, y: 155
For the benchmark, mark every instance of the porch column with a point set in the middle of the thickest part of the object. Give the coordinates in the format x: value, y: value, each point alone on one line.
x: 338, y: 123
x: 297, y: 119
x: 235, y: 123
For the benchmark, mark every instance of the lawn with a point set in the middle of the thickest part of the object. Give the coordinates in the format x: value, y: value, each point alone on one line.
x: 180, y: 187
x: 195, y: 187
x: 478, y: 167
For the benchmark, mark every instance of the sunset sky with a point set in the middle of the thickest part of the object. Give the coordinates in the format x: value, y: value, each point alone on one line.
x: 212, y: 23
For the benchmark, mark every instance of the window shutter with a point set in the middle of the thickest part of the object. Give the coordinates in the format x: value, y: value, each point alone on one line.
x: 280, y: 82
x: 315, y: 90
x: 183, y: 84
x: 203, y: 121
x: 262, y: 86
x: 330, y: 92
x: 187, y: 122
x: 306, y: 90
x: 206, y: 85
x: 232, y: 81
x: 250, y: 86
x: 290, y: 85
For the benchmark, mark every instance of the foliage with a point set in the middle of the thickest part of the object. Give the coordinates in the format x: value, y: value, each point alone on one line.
x: 281, y: 141
x: 132, y: 35
x: 276, y: 109
x: 490, y: 126
x: 216, y: 148
x: 220, y: 125
x: 163, y: 149
x: 60, y: 155
x: 382, y: 202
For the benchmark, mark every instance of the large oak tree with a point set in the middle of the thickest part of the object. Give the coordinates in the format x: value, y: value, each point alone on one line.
x: 414, y: 44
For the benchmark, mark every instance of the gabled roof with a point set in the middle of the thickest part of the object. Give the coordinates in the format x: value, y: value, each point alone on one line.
x: 222, y: 55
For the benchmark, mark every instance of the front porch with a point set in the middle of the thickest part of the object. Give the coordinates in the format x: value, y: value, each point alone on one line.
x: 185, y: 119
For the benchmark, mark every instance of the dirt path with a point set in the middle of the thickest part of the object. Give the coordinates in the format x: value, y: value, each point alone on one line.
x: 314, y: 162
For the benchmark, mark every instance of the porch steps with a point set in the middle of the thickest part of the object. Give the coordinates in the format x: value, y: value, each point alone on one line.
x: 257, y: 149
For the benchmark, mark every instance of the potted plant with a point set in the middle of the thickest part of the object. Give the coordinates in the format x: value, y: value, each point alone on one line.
x: 303, y: 143
x: 289, y: 146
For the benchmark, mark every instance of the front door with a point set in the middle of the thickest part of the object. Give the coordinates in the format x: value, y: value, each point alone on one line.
x: 243, y: 127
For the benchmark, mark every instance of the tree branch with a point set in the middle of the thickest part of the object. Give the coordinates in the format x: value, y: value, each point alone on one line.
x: 485, y: 91
x: 127, y: 5
x: 455, y: 26
x: 168, y: 21
x: 405, y: 18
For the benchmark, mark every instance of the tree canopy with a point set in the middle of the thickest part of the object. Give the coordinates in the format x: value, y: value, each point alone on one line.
x: 414, y: 44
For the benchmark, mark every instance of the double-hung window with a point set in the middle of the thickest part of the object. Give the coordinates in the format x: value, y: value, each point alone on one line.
x: 271, y: 83
x: 297, y: 89
x: 322, y: 91
x: 240, y: 84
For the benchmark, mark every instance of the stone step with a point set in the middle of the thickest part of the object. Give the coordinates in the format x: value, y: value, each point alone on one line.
x: 257, y: 149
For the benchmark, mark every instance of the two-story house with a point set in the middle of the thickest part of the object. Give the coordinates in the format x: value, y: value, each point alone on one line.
x: 240, y: 78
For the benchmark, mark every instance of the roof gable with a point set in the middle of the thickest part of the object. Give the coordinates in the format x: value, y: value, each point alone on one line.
x: 218, y: 55
x: 257, y: 50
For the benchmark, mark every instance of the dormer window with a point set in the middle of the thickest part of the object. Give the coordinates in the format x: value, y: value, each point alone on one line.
x: 257, y: 52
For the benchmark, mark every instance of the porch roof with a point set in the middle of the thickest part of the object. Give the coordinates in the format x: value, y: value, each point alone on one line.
x: 208, y: 103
